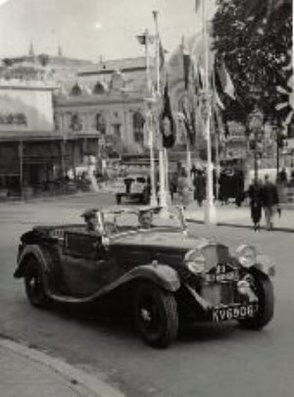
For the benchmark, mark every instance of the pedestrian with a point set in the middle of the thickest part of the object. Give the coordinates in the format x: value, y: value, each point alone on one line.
x: 184, y: 188
x: 255, y: 202
x: 199, y: 187
x: 173, y: 184
x: 270, y: 202
x: 283, y: 177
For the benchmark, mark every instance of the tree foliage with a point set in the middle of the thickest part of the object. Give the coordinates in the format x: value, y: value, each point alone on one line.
x: 255, y: 44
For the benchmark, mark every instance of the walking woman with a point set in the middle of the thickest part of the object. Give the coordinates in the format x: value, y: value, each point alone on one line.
x: 255, y: 197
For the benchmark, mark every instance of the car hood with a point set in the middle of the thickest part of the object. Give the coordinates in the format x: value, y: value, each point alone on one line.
x: 161, y: 239
x: 171, y: 246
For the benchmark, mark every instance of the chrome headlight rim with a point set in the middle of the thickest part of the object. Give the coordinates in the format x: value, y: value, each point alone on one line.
x: 246, y: 255
x: 195, y: 262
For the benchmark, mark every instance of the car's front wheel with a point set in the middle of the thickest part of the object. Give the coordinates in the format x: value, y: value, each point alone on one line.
x: 34, y: 284
x: 156, y: 315
x: 263, y: 288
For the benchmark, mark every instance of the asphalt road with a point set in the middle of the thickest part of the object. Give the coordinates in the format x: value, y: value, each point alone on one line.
x: 205, y: 361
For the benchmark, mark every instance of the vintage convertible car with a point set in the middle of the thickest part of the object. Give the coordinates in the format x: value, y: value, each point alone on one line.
x: 167, y: 274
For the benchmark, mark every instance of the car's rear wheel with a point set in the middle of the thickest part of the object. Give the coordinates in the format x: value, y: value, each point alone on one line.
x: 156, y: 315
x: 34, y: 284
x: 263, y: 288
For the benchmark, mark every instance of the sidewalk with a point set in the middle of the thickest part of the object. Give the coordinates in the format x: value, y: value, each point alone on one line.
x: 230, y: 215
x: 27, y: 372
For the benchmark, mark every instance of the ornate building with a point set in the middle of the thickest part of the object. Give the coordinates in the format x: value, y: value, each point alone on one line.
x: 33, y: 153
x: 107, y: 99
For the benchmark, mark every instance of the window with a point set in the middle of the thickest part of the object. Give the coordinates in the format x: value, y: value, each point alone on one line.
x: 76, y: 90
x: 99, y: 89
x: 116, y: 130
x: 76, y: 123
x: 100, y: 123
x: 138, y: 127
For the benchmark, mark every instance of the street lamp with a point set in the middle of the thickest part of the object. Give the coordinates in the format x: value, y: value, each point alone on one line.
x: 210, y: 209
x: 146, y: 39
x: 255, y: 125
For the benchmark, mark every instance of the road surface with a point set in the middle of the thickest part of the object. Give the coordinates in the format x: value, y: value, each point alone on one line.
x: 206, y: 361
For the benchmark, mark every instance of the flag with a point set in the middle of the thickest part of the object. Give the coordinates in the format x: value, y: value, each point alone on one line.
x: 226, y: 81
x: 162, y: 52
x: 218, y: 101
x: 186, y: 62
x: 199, y: 79
x: 216, y: 89
x: 189, y: 119
x: 167, y: 124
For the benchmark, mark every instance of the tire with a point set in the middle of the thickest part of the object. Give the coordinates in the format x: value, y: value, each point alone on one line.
x: 156, y: 315
x: 263, y: 288
x: 34, y: 285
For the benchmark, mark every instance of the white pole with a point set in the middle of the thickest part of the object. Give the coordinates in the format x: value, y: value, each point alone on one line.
x: 150, y: 132
x: 210, y: 210
x: 147, y: 62
x: 163, y: 194
x: 149, y: 123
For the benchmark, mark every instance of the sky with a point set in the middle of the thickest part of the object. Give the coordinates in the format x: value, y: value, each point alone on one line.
x: 90, y: 29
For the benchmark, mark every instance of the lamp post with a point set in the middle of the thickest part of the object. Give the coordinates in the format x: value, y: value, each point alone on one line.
x: 255, y: 126
x: 146, y: 39
x: 210, y: 209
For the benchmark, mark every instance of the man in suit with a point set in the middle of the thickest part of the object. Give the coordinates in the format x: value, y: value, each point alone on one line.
x: 91, y: 219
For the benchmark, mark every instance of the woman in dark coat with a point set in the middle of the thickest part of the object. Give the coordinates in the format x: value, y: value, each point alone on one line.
x: 255, y: 196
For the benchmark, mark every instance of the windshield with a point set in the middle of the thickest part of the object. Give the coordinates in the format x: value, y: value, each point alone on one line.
x: 129, y: 219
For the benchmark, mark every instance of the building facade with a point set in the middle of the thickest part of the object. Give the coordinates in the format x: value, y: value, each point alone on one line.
x: 33, y: 153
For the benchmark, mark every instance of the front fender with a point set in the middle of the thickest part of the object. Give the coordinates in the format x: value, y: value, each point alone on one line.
x: 265, y: 265
x: 28, y: 251
x: 162, y: 275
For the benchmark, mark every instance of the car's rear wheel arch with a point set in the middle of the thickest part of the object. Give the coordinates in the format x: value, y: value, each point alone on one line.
x: 34, y: 281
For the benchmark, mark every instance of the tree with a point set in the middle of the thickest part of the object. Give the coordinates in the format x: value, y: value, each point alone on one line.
x: 254, y: 40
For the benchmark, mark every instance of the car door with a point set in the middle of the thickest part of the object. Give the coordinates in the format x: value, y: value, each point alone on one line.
x: 85, y: 257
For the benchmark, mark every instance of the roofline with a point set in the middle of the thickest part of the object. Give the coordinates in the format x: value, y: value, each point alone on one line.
x: 51, y: 137
x: 110, y: 71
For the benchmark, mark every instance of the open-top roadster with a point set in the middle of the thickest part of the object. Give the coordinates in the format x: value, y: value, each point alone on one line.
x: 166, y: 273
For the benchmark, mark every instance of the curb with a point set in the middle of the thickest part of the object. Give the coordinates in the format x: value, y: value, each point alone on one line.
x: 85, y: 384
x: 237, y: 225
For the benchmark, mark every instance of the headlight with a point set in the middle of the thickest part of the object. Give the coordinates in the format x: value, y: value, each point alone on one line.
x: 246, y: 255
x: 194, y: 261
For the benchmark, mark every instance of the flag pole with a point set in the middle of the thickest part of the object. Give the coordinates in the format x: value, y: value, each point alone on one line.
x: 186, y: 68
x: 163, y: 159
x: 144, y: 39
x: 153, y: 199
x: 210, y: 209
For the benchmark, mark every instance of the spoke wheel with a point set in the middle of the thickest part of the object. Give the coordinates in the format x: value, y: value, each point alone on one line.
x: 34, y: 285
x: 263, y: 288
x: 156, y: 315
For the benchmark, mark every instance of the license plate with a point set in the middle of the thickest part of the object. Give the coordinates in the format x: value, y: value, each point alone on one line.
x: 239, y: 312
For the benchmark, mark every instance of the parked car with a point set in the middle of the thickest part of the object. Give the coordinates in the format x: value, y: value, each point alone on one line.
x: 136, y: 187
x: 167, y: 274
